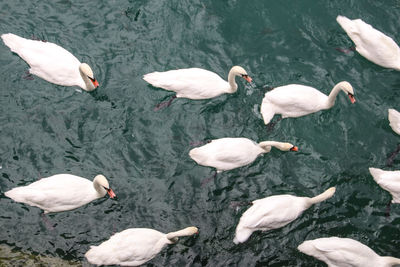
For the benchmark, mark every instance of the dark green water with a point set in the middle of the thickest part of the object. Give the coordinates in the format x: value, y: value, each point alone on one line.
x: 48, y: 129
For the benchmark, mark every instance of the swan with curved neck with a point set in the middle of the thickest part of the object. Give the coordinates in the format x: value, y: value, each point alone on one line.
x: 61, y: 192
x: 275, y: 212
x: 230, y: 153
x: 196, y: 83
x: 338, y: 252
x: 297, y: 100
x: 52, y: 62
x: 371, y: 43
x: 134, y: 246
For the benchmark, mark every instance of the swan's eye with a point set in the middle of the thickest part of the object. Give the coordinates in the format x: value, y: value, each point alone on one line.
x: 91, y: 79
x: 245, y: 76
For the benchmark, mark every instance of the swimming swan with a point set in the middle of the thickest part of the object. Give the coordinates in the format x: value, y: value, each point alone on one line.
x: 195, y: 83
x: 134, y: 246
x: 230, y: 153
x: 295, y: 100
x: 339, y: 252
x: 61, y: 192
x: 274, y: 212
x: 52, y: 62
x: 371, y: 43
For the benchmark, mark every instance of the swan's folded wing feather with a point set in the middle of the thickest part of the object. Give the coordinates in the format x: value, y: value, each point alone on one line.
x: 394, y: 119
x: 270, y: 212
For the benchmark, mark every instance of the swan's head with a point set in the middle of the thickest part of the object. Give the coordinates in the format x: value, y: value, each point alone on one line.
x: 101, y: 185
x: 266, y: 145
x: 348, y: 89
x: 88, y: 77
x: 239, y: 71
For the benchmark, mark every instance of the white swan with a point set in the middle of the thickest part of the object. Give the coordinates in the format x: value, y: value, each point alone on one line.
x: 61, y: 192
x: 52, y: 62
x: 274, y: 212
x: 339, y: 252
x: 195, y: 83
x: 388, y: 180
x: 135, y: 246
x: 295, y: 100
x: 394, y: 119
x: 230, y: 153
x: 371, y: 43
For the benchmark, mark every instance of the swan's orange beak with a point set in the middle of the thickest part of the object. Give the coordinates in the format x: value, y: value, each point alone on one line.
x: 95, y: 83
x: 294, y: 148
x: 352, y: 98
x: 247, y: 78
x: 111, y: 193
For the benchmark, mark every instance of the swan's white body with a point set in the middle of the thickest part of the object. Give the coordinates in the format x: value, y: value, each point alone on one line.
x: 230, y: 153
x: 61, y: 192
x: 133, y: 247
x: 371, y: 43
x: 345, y: 252
x: 274, y: 212
x: 52, y: 62
x: 195, y: 83
x: 394, y: 119
x: 388, y: 180
x: 295, y: 100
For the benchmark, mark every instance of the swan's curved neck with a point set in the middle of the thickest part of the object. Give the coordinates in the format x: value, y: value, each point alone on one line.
x: 332, y: 96
x: 267, y: 145
x: 231, y: 80
x: 390, y: 261
x: 173, y: 236
x: 321, y: 197
x: 99, y: 189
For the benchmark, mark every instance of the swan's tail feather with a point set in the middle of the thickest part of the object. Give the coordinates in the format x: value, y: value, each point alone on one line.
x: 13, y: 41
x: 346, y: 24
x: 394, y: 119
x: 242, y: 235
x: 267, y: 111
x: 155, y: 79
x: 376, y: 173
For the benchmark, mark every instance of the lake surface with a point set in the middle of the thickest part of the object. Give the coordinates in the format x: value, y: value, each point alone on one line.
x: 48, y: 129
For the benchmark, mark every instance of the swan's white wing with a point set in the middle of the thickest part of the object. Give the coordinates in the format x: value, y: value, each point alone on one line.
x: 371, y: 43
x: 47, y: 60
x: 131, y: 247
x: 226, y: 153
x: 193, y: 83
x: 57, y: 193
x: 294, y: 100
x: 272, y: 212
x: 394, y: 119
x: 339, y: 252
x: 389, y: 180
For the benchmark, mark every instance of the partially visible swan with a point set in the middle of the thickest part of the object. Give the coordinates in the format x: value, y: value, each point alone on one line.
x: 371, y: 43
x: 339, y: 252
x: 134, y: 246
x: 394, y: 119
x: 388, y: 180
x: 52, y: 62
x: 274, y: 212
x: 295, y: 100
x: 195, y: 83
x: 230, y: 153
x: 61, y: 192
